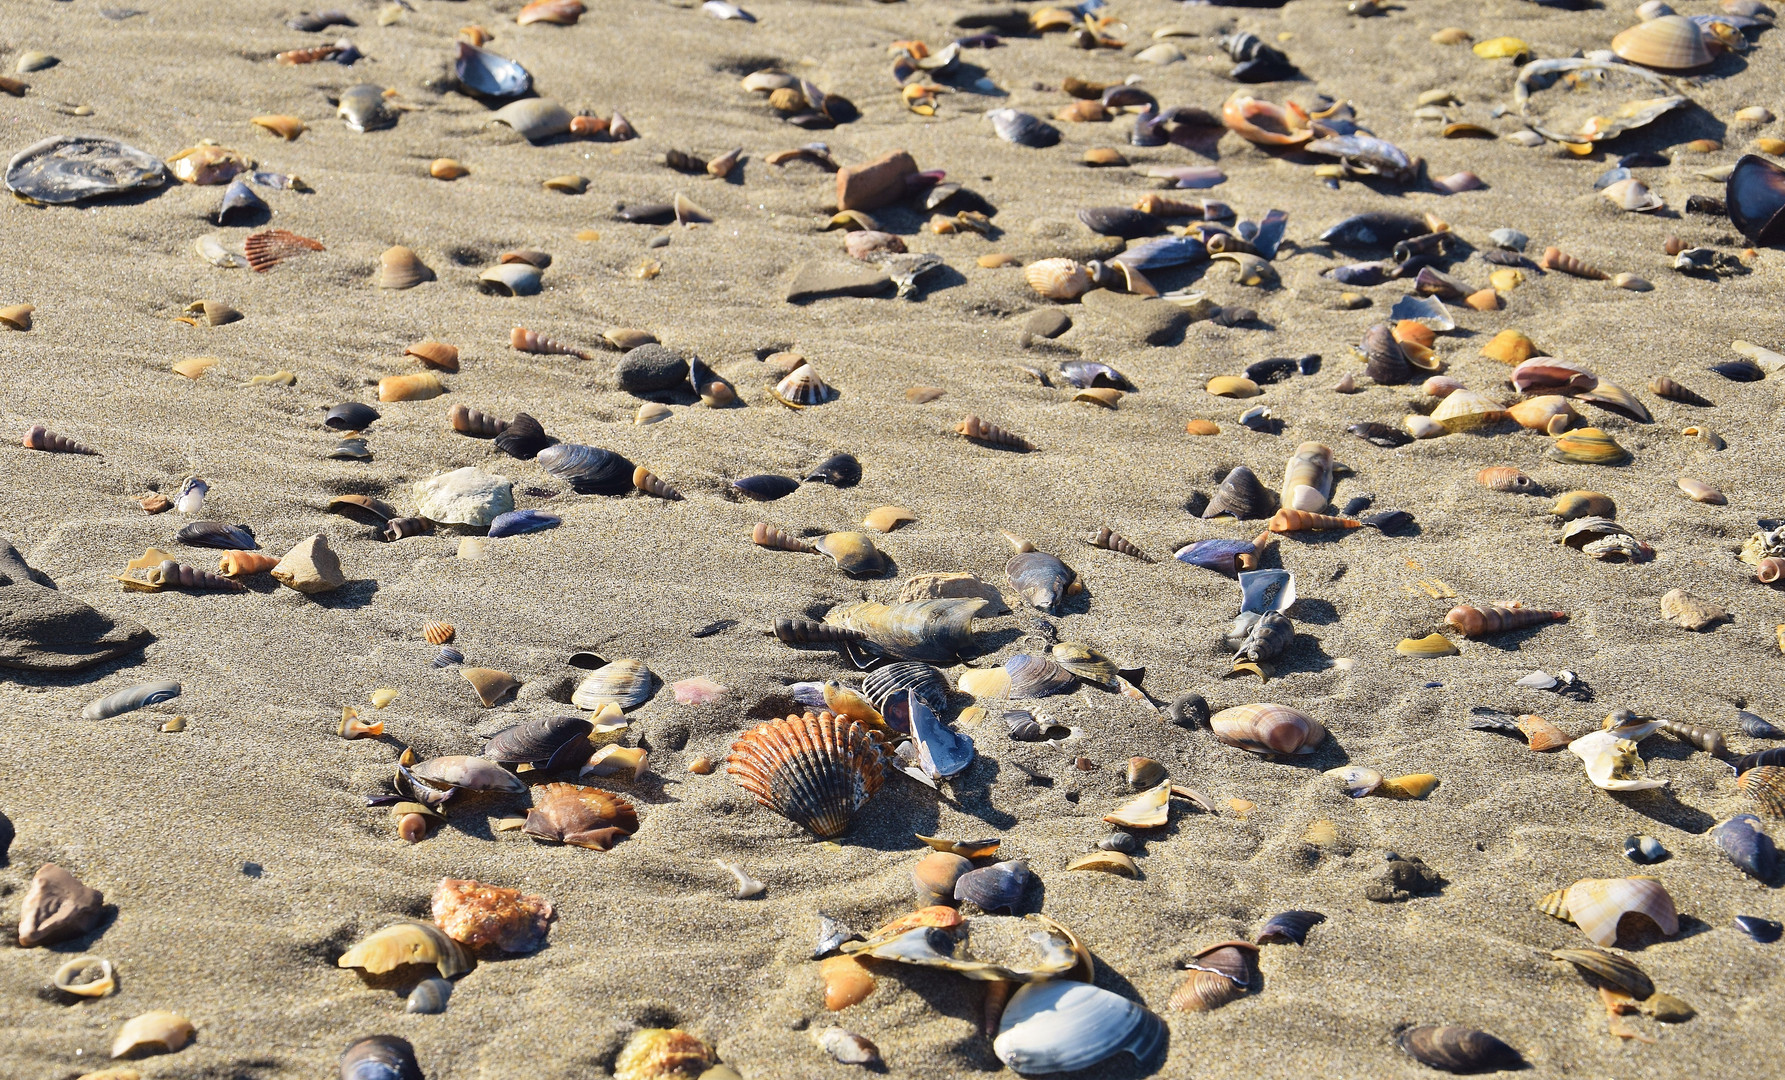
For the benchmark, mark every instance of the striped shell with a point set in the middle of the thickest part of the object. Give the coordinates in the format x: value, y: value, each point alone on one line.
x: 1268, y: 729
x: 437, y: 633
x: 1599, y: 905
x: 1218, y: 974
x: 1058, y: 279
x: 802, y: 386
x: 815, y: 770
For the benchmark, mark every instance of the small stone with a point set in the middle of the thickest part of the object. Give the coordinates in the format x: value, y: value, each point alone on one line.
x: 1691, y: 612
x: 1350, y: 301
x: 819, y: 280
x: 878, y: 183
x: 1405, y: 878
x: 651, y: 367
x: 1155, y: 322
x: 936, y: 586
x: 311, y: 567
x: 1047, y: 323
x: 57, y: 907
x: 467, y: 496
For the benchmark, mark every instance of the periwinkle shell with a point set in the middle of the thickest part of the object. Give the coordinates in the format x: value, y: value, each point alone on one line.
x: 589, y: 470
x: 380, y: 1057
x: 218, y: 535
x: 485, y: 74
x: 516, y: 522
x: 350, y: 416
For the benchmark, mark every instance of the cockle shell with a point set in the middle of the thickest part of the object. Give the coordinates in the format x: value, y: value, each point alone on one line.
x: 1268, y: 729
x: 401, y: 268
x: 408, y: 942
x: 666, y: 1054
x: 625, y: 684
x: 815, y: 770
x: 1057, y: 279
x: 1599, y: 905
x: 1465, y: 410
x: 580, y: 816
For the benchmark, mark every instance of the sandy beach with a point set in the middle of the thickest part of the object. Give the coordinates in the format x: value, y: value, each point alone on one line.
x: 238, y: 857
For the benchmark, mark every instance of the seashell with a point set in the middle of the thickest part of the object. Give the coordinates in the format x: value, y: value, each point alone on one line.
x: 130, y: 699
x: 1699, y: 491
x: 815, y: 770
x: 1218, y: 974
x: 1358, y: 781
x: 625, y: 684
x: 1765, y: 785
x: 934, y: 631
x: 66, y: 169
x: 1099, y: 395
x: 524, y: 340
x: 1028, y: 677
x: 1465, y: 410
x: 194, y: 366
x: 1614, y: 397
x: 1508, y: 479
x: 1458, y: 1049
x: 765, y: 535
x: 1548, y: 413
x: 173, y: 575
x: 511, y: 279
x: 1122, y: 221
x: 158, y: 1032
x: 997, y: 887
x: 647, y: 482
x: 1289, y: 927
x: 1110, y: 541
x: 838, y: 470
x: 516, y: 522
x: 546, y: 743
x: 488, y: 916
x: 1266, y: 124
x: 1744, y: 843
x: 1310, y: 467
x: 1755, y: 195
x: 765, y: 487
x: 1287, y: 520
x: 1433, y: 644
x: 1599, y: 905
x: 590, y: 470
x: 435, y: 354
x: 216, y: 534
x: 1108, y: 862
x: 408, y: 942
x: 534, y: 119
x: 487, y: 75
x: 1555, y: 259
x: 561, y: 12
x: 1232, y: 386
x: 1609, y: 968
x: 1764, y: 931
x: 1057, y: 279
x: 1588, y: 446
x: 447, y: 169
x: 38, y: 437
x: 1268, y: 729
x: 1669, y: 43
x: 935, y: 876
x: 465, y: 773
x: 429, y: 997
x: 666, y: 1054
x: 939, y: 752
x: 491, y: 685
x: 988, y: 434
x: 17, y: 316
x: 1062, y: 1025
x: 85, y: 976
x: 1496, y: 619
x: 268, y: 249
x: 401, y: 268
x: 803, y: 387
x: 213, y: 312
x: 418, y: 386
x: 853, y: 553
x: 1633, y: 195
x: 1023, y: 128
x: 1662, y: 386
x: 350, y: 416
x: 580, y: 816
x: 1541, y: 734
x: 57, y: 907
x: 1757, y: 728
x: 1042, y: 579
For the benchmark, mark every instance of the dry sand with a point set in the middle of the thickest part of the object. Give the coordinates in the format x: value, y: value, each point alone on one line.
x: 648, y: 933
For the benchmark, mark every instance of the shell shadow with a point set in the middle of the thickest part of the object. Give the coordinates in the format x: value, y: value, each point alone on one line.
x: 972, y: 794
x: 903, y: 807
x: 1659, y: 805
x: 936, y: 280
x: 355, y: 594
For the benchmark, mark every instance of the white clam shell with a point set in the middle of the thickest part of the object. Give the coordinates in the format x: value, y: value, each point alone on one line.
x: 1611, y: 758
x: 1060, y: 1026
x: 534, y: 118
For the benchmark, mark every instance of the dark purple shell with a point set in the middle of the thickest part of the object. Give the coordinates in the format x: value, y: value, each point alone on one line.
x: 380, y: 1057
x: 1755, y: 195
x: 218, y: 535
x: 1122, y: 221
x: 765, y: 487
x: 552, y: 742
x: 999, y: 887
x: 589, y: 470
x: 523, y: 438
x: 1216, y: 555
x: 350, y: 416
x: 516, y: 522
x: 1166, y: 251
x: 1289, y: 928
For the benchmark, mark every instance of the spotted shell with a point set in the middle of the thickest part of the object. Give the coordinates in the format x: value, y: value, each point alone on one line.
x: 815, y: 770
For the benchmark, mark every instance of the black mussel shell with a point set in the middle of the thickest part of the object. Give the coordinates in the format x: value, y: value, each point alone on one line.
x: 1289, y: 928
x: 589, y: 470
x: 838, y: 470
x: 1389, y: 521
x: 449, y: 657
x: 1356, y: 505
x: 239, y: 201
x: 523, y: 438
x: 380, y: 1057
x: 646, y: 213
x: 1765, y: 931
x: 1122, y: 221
x: 1309, y: 364
x: 1739, y: 371
x: 488, y: 75
x: 1744, y: 842
x: 1190, y: 711
x: 1756, y: 727
x: 1275, y: 370
x: 218, y: 535
x: 586, y: 660
x: 1458, y: 1049
x: 1085, y: 374
x: 1024, y: 129
x: 1373, y: 231
x: 765, y: 487
x: 548, y: 741
x: 1383, y: 435
x: 1755, y: 197
x: 1775, y: 756
x: 1708, y: 205
x: 350, y: 416
x: 1361, y: 274
x: 1263, y: 69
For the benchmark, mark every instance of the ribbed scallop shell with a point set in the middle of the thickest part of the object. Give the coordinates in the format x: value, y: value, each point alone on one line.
x: 1058, y: 279
x: 437, y: 633
x: 815, y: 770
x: 580, y: 816
x: 1268, y: 729
x: 1766, y: 786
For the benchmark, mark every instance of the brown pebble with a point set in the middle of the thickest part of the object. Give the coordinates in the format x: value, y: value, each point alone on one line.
x: 701, y: 766
x: 1084, y: 764
x: 878, y: 183
x: 153, y: 503
x: 1673, y: 245
x: 1200, y: 426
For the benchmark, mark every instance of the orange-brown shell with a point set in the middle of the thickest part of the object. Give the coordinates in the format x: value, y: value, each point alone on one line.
x: 1290, y: 520
x: 437, y: 633
x: 1218, y: 974
x: 815, y: 770
x: 479, y: 915
x: 435, y: 354
x: 242, y: 563
x: 1542, y: 734
x: 1268, y: 729
x: 580, y: 816
x: 1057, y: 279
x: 1476, y: 621
x: 1264, y: 123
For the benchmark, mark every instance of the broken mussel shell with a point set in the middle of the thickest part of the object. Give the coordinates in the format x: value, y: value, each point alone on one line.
x: 1610, y: 969
x: 1289, y: 927
x: 547, y: 742
x: 1457, y: 1049
x: 815, y: 770
x: 589, y: 470
x: 487, y: 75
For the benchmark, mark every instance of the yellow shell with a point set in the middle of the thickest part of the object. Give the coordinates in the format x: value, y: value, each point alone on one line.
x: 1670, y: 43
x: 568, y: 184
x: 1588, y: 446
x: 1107, y: 396
x: 846, y: 981
x: 194, y: 366
x: 1233, y: 386
x: 1200, y: 426
x: 984, y: 682
x: 887, y: 518
x: 1507, y: 278
x: 1411, y: 786
x: 1433, y: 644
x: 1148, y: 810
x: 286, y: 127
x: 1058, y: 279
x: 408, y: 942
x: 447, y: 169
x: 416, y: 386
x: 1579, y: 504
x: 1109, y: 862
x: 1464, y: 410
x: 1510, y: 347
x: 18, y: 316
x: 1501, y: 48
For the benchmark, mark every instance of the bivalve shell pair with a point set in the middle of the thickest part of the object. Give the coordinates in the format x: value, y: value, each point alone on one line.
x: 1218, y: 975
x: 580, y: 816
x: 815, y: 770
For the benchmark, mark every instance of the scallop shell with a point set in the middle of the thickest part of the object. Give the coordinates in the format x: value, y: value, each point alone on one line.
x: 580, y: 816
x: 815, y: 770
x: 1057, y: 279
x: 1268, y: 729
x: 625, y: 684
x: 1670, y: 43
x: 1063, y: 1025
x: 408, y: 942
x: 265, y: 250
x: 1765, y: 785
x: 1599, y: 905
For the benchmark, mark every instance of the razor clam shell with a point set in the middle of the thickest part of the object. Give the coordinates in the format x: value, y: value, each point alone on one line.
x: 130, y: 699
